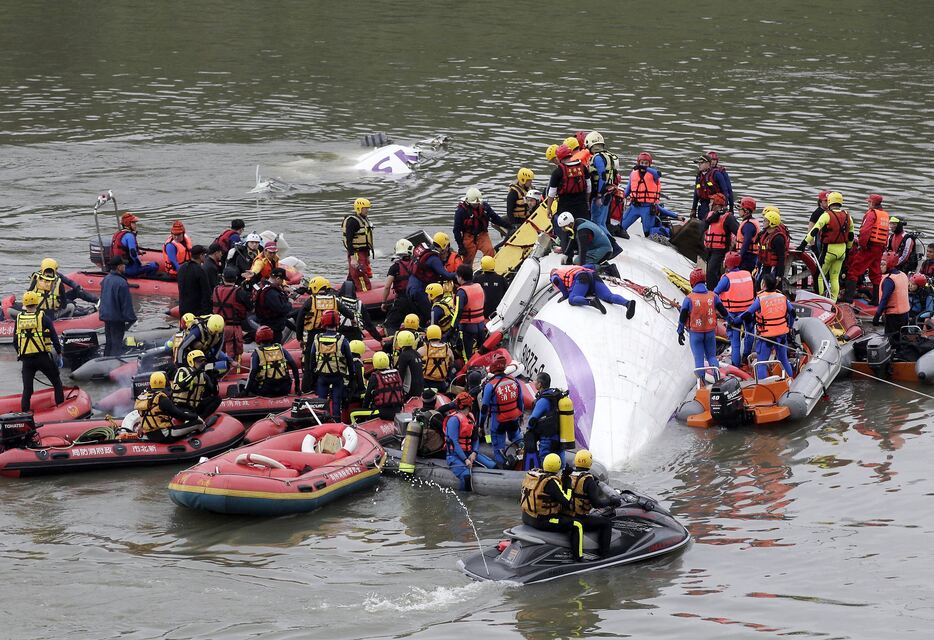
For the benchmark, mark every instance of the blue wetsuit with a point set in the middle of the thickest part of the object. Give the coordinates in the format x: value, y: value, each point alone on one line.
x: 703, y: 343
x: 587, y: 283
x: 737, y: 355
x: 702, y: 206
x: 172, y: 252
x: 456, y: 456
x: 135, y: 266
x: 764, y: 347
x: 546, y: 444
x: 747, y: 250
x: 642, y: 210
x: 501, y: 434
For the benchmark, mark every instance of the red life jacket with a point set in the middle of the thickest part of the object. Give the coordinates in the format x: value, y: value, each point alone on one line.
x: 401, y: 282
x: 898, y: 301
x: 476, y: 221
x: 224, y: 240
x: 472, y: 312
x: 741, y: 293
x: 880, y: 231
x: 506, y: 398
x: 740, y: 236
x: 422, y: 271
x: 567, y: 275
x: 837, y: 230
x: 116, y: 245
x: 225, y: 303
x: 573, y: 179
x: 895, y: 242
x: 388, y: 391
x: 703, y: 316
x: 465, y: 433
x: 643, y: 187
x: 705, y: 184
x: 771, y: 318
x: 767, y: 255
x: 716, y: 236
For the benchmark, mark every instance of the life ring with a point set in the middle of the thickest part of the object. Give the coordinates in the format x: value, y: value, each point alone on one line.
x: 259, y: 460
x: 131, y: 421
x: 349, y: 436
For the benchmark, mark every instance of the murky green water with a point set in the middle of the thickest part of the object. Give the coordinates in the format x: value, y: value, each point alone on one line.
x: 818, y: 529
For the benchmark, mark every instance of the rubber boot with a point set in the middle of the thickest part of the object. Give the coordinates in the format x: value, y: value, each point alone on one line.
x: 631, y: 309
x: 596, y: 304
x: 849, y: 291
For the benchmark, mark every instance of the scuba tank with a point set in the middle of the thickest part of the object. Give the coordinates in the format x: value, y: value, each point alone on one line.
x: 413, y: 437
x: 566, y: 423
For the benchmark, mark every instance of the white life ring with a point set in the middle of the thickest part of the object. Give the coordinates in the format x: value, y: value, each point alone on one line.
x: 131, y: 421
x: 349, y: 435
x: 259, y: 460
x: 308, y: 444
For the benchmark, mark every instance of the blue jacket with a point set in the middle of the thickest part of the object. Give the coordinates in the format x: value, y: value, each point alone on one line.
x: 452, y: 435
x: 132, y: 249
x: 488, y: 400
x: 116, y: 303
x: 592, y: 242
x: 434, y: 263
x: 462, y: 213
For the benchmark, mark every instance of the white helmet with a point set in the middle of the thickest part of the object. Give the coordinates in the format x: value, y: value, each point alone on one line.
x: 533, y: 194
x: 473, y: 196
x: 565, y: 219
x: 254, y: 237
x: 594, y: 137
x: 403, y: 247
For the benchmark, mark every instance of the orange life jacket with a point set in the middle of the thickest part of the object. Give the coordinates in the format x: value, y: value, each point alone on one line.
x: 880, y: 232
x: 703, y: 313
x: 716, y: 237
x: 898, y: 301
x: 643, y: 188
x: 741, y: 293
x: 771, y: 318
x: 755, y: 226
x: 567, y: 275
x: 182, y: 249
x: 472, y: 312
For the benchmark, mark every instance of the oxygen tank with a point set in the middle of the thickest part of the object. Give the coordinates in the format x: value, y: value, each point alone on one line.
x: 413, y: 437
x: 566, y: 423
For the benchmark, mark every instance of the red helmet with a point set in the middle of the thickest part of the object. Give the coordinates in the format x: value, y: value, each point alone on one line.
x: 713, y: 156
x: 822, y: 195
x: 581, y: 136
x: 497, y: 363
x: 890, y: 259
x: 874, y: 199
x: 732, y: 260
x: 329, y: 319
x: 264, y: 334
x: 463, y: 400
x: 698, y: 275
x: 127, y: 219
x: 562, y: 152
x: 645, y: 155
x: 919, y: 279
x: 178, y: 227
x: 747, y: 203
x: 718, y: 199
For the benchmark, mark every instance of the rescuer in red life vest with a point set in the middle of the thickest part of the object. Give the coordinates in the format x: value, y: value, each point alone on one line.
x: 720, y: 227
x: 746, y: 236
x: 775, y: 318
x: 737, y: 292
x: 462, y: 439
x: 893, y: 296
x: 502, y: 403
x: 582, y: 286
x: 870, y: 245
x: 699, y: 311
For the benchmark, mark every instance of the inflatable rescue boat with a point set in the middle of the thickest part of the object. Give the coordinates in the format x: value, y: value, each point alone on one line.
x: 907, y: 357
x: 8, y: 327
x: 77, y: 405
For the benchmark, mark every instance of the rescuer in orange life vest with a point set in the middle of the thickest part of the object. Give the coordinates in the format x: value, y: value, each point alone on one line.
x: 502, y: 403
x: 775, y: 318
x: 871, y: 241
x: 462, y: 439
x: 893, y: 295
x: 720, y: 227
x: 737, y: 292
x: 699, y: 311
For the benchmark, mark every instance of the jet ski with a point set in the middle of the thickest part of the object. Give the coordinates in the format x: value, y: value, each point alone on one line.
x: 641, y: 530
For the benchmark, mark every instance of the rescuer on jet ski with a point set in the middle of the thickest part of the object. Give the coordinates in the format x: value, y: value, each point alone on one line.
x: 578, y: 284
x: 587, y: 495
x: 545, y: 502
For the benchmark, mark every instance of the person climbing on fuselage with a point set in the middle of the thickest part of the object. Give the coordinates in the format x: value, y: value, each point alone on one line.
x: 462, y: 440
x: 586, y: 242
x: 699, y: 311
x: 582, y: 286
x: 775, y: 318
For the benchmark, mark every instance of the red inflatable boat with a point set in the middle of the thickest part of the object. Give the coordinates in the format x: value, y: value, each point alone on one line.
x: 60, y: 448
x: 8, y: 326
x: 77, y: 405
x: 292, y: 473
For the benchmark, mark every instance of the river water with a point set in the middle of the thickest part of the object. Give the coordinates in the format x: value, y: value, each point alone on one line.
x: 818, y: 529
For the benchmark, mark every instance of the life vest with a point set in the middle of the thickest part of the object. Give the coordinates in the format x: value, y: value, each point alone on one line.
x: 224, y: 240
x: 317, y: 305
x: 567, y: 275
x: 472, y: 312
x: 272, y: 364
x: 362, y: 240
x: 534, y: 501
x: 263, y: 266
x: 355, y: 320
x: 209, y: 342
x: 451, y: 263
x: 436, y: 361
x: 152, y: 417
x: 837, y: 229
x: 643, y: 187
x: 465, y: 433
x: 716, y: 236
x: 580, y: 501
x: 401, y: 281
x: 357, y: 385
x: 422, y: 271
x: 188, y: 387
x: 329, y: 358
x: 262, y: 312
x: 448, y: 305
x: 506, y: 398
x: 116, y: 245
x: 705, y: 184
x: 583, y: 156
x: 755, y: 232
x: 880, y: 232
x: 771, y: 318
x: 610, y: 173
x: 741, y: 293
x: 520, y: 210
x: 573, y: 179
x: 224, y: 303
x: 547, y: 425
x: 48, y: 290
x: 767, y: 255
x: 898, y: 301
x: 477, y: 219
x: 703, y: 312
x: 31, y: 336
x: 388, y: 391
x: 182, y: 249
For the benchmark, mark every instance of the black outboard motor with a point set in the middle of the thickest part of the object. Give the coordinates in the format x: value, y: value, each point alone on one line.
x: 879, y: 354
x: 17, y: 431
x: 79, y: 346
x: 726, y: 402
x: 140, y: 384
x: 99, y: 254
x: 306, y: 412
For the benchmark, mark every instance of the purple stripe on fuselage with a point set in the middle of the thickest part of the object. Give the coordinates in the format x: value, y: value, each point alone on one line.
x: 581, y: 386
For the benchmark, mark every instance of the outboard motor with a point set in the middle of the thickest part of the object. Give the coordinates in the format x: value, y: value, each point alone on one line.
x: 99, y: 254
x: 140, y: 384
x: 879, y: 354
x: 17, y: 431
x: 78, y: 346
x: 726, y: 402
x: 306, y: 412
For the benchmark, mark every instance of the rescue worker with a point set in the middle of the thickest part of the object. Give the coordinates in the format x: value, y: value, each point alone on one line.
x: 604, y: 176
x: 176, y: 249
x: 354, y: 316
x: 699, y: 311
x: 242, y: 255
x: 870, y: 245
x: 437, y: 359
x: 427, y: 269
x: 902, y: 244
x: 927, y: 266
x: 409, y: 365
x: 329, y: 363
x: 502, y: 404
x: 472, y: 220
x: 720, y: 170
x: 205, y: 334
x: 116, y: 306
x: 229, y: 239
x: 211, y: 263
x: 411, y: 323
x: 194, y: 287
x: 551, y: 154
x: 542, y: 435
x: 308, y: 321
x: 586, y: 243
x: 36, y: 342
x: 273, y: 307
x: 516, y: 205
x: 233, y: 304
x: 815, y: 216
x: 462, y: 441
x: 587, y: 495
x: 775, y: 318
x: 397, y: 282
x: 158, y: 413
x: 707, y: 182
x: 720, y: 228
x: 493, y: 284
x: 772, y: 246
x: 545, y: 502
x: 746, y: 235
x: 357, y: 235
x: 264, y: 263
x: 569, y: 183
x: 644, y: 191
x: 356, y: 385
x: 450, y: 258
x: 57, y: 293
x: 737, y: 291
x: 443, y: 310
x: 582, y: 286
x: 384, y: 394
x: 893, y: 296
x: 533, y: 200
x: 920, y: 299
x: 124, y: 244
x: 273, y: 371
x: 471, y: 320
x: 194, y: 387
x: 580, y: 152
x: 835, y: 228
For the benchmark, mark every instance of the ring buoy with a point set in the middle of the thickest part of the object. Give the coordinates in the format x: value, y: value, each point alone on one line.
x: 349, y: 436
x: 259, y: 460
x: 131, y: 421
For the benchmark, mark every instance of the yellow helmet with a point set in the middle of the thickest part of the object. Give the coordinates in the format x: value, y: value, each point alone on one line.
x: 318, y: 283
x: 772, y: 215
x: 433, y: 332
x: 434, y: 290
x: 442, y: 240
x: 405, y: 339
x: 360, y: 204
x: 215, y: 323
x: 380, y: 360
x: 30, y: 298
x: 525, y: 174
x: 193, y: 355
x: 834, y: 197
x: 583, y: 459
x: 358, y: 347
x: 188, y: 319
x: 571, y: 143
x: 411, y: 322
x: 488, y: 263
x: 49, y: 263
x: 550, y: 152
x: 551, y: 463
x: 157, y: 380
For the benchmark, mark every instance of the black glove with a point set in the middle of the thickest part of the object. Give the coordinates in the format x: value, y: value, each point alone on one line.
x: 462, y: 252
x: 803, y: 245
x: 681, y: 338
x: 876, y: 320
